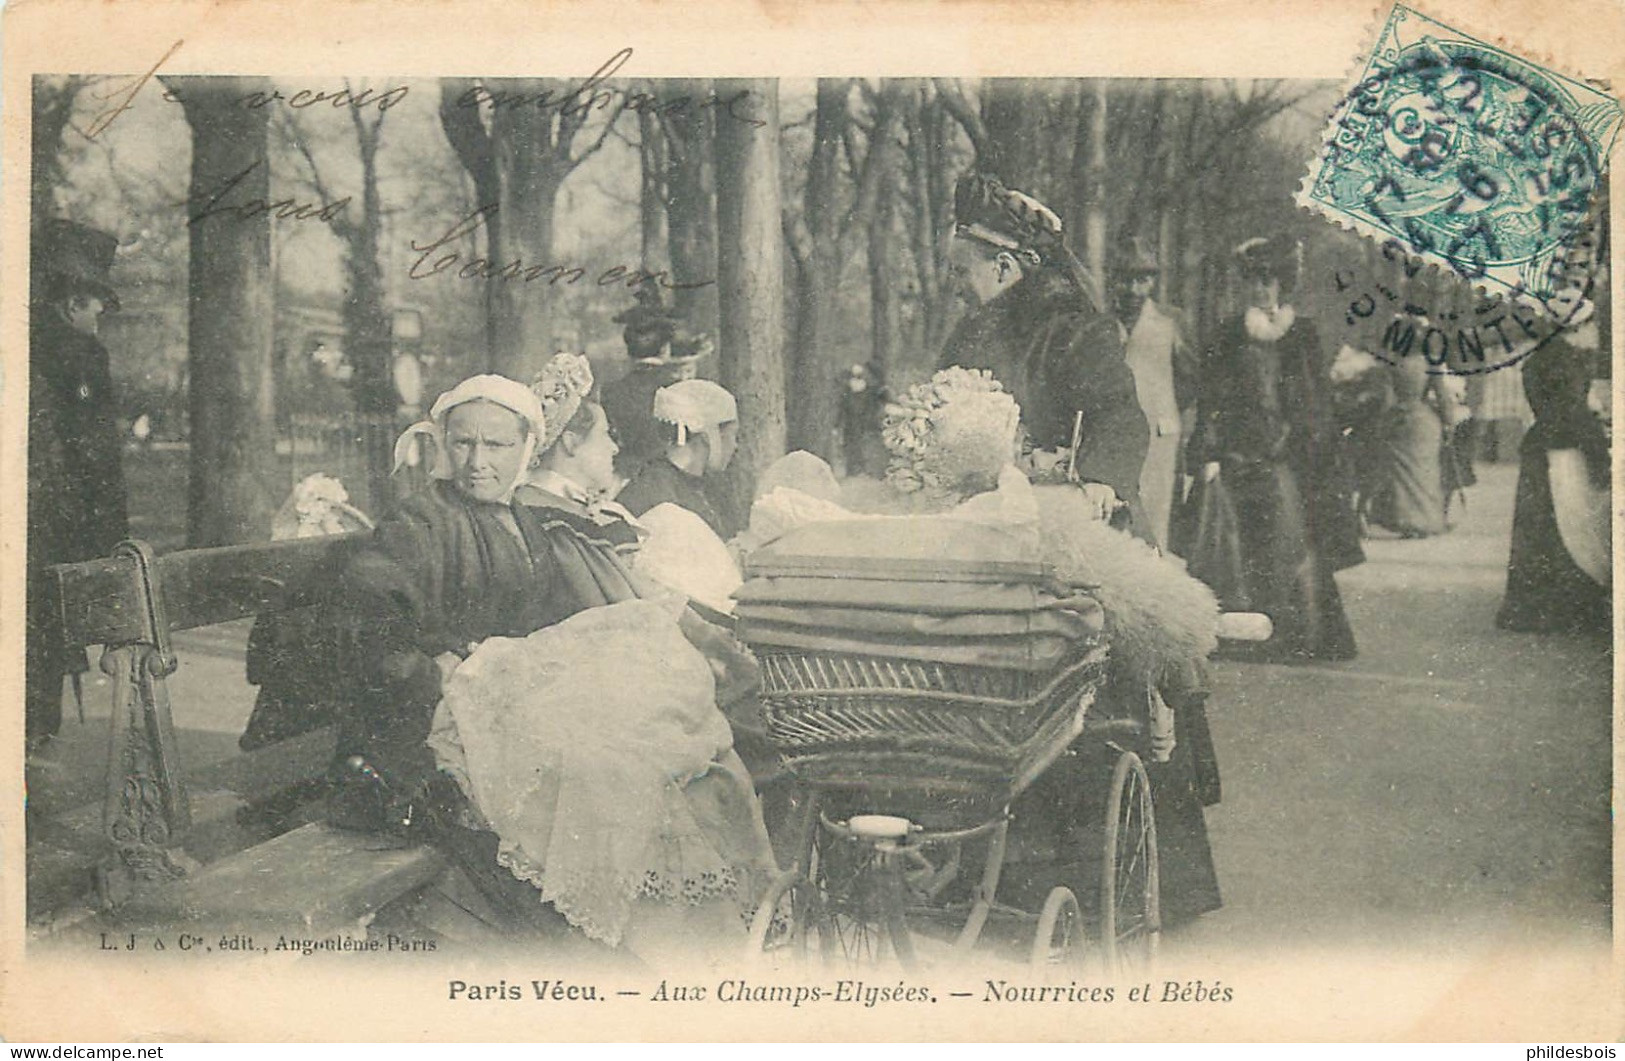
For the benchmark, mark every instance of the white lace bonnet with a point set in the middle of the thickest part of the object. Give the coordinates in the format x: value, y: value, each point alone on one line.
x: 561, y: 387
x: 695, y: 406
x: 498, y: 390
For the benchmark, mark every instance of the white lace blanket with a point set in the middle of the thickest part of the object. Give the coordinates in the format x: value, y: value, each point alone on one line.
x: 595, y: 750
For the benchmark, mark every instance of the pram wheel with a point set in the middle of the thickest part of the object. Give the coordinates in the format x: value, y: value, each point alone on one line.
x: 864, y: 896
x: 1130, y: 895
x: 1058, y: 943
x: 788, y: 924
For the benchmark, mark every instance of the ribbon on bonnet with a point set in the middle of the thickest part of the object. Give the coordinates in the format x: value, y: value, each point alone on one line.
x: 498, y: 390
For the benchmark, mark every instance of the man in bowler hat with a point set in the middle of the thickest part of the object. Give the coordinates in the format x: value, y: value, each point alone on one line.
x: 76, y: 492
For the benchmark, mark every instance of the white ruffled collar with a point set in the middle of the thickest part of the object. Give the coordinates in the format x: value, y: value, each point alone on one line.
x: 1267, y: 327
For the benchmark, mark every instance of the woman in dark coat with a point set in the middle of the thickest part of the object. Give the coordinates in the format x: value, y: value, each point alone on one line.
x: 1266, y: 431
x: 1547, y: 590
x: 1038, y: 328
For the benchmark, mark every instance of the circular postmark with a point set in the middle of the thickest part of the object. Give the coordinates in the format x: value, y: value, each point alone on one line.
x: 1399, y: 307
x: 1463, y: 156
x: 1477, y: 174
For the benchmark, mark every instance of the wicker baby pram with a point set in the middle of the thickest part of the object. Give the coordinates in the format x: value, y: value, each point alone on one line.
x: 938, y: 668
x: 915, y: 681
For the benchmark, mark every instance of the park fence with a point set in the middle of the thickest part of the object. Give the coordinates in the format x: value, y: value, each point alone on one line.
x: 339, y: 445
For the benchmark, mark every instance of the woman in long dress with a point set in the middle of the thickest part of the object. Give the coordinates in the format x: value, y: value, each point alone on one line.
x: 555, y: 731
x: 1266, y: 431
x: 1410, y: 498
x: 1548, y: 588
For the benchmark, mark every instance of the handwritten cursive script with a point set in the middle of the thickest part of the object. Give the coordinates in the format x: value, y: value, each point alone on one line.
x: 306, y: 97
x: 452, y: 263
x: 211, y: 204
x: 120, y: 99
x: 593, y: 94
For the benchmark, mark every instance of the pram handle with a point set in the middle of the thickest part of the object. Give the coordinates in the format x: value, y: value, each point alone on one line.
x: 1245, y: 626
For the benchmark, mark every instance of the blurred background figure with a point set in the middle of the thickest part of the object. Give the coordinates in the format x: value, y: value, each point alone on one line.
x: 1559, y: 572
x: 77, y: 507
x: 863, y: 406
x: 1415, y: 451
x: 1359, y: 397
x: 1164, y: 370
x: 661, y: 356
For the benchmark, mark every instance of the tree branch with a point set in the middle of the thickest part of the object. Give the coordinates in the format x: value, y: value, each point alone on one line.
x: 465, y: 132
x: 603, y: 134
x: 952, y: 95
x: 338, y: 222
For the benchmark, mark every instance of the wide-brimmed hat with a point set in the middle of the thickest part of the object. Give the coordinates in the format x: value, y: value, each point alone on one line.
x: 71, y: 258
x: 986, y: 210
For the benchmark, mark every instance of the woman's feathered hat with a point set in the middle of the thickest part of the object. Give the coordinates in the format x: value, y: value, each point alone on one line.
x: 1135, y: 256
x: 561, y: 387
x: 986, y: 210
x: 649, y: 326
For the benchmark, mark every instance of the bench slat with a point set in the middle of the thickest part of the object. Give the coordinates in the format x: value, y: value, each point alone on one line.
x: 101, y: 599
x: 314, y: 879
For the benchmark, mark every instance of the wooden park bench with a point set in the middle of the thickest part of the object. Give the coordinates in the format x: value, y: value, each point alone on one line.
x: 237, y: 844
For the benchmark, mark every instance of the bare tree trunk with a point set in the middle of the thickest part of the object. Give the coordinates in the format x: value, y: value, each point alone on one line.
x: 519, y: 167
x: 526, y: 187
x: 691, y: 204
x: 751, y: 283
x: 368, y: 329
x: 233, y: 475
x: 472, y: 144
x: 937, y: 296
x: 833, y: 229
x: 813, y: 414
x: 1092, y: 139
x: 651, y: 191
x: 1169, y: 254
x: 885, y: 309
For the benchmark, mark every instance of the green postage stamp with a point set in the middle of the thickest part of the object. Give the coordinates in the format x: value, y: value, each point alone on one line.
x: 1469, y: 157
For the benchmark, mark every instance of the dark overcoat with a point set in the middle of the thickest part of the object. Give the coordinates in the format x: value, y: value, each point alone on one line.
x: 77, y: 509
x: 1060, y: 356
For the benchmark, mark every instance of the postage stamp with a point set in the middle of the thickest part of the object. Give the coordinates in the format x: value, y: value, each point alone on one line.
x: 1470, y: 157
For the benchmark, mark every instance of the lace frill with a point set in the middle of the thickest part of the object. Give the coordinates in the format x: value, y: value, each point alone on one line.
x: 595, y: 750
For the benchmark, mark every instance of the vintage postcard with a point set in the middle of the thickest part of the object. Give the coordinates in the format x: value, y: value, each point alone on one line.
x: 809, y: 521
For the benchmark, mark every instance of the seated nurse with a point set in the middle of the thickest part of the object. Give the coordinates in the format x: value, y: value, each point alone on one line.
x: 700, y: 423
x: 556, y: 733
